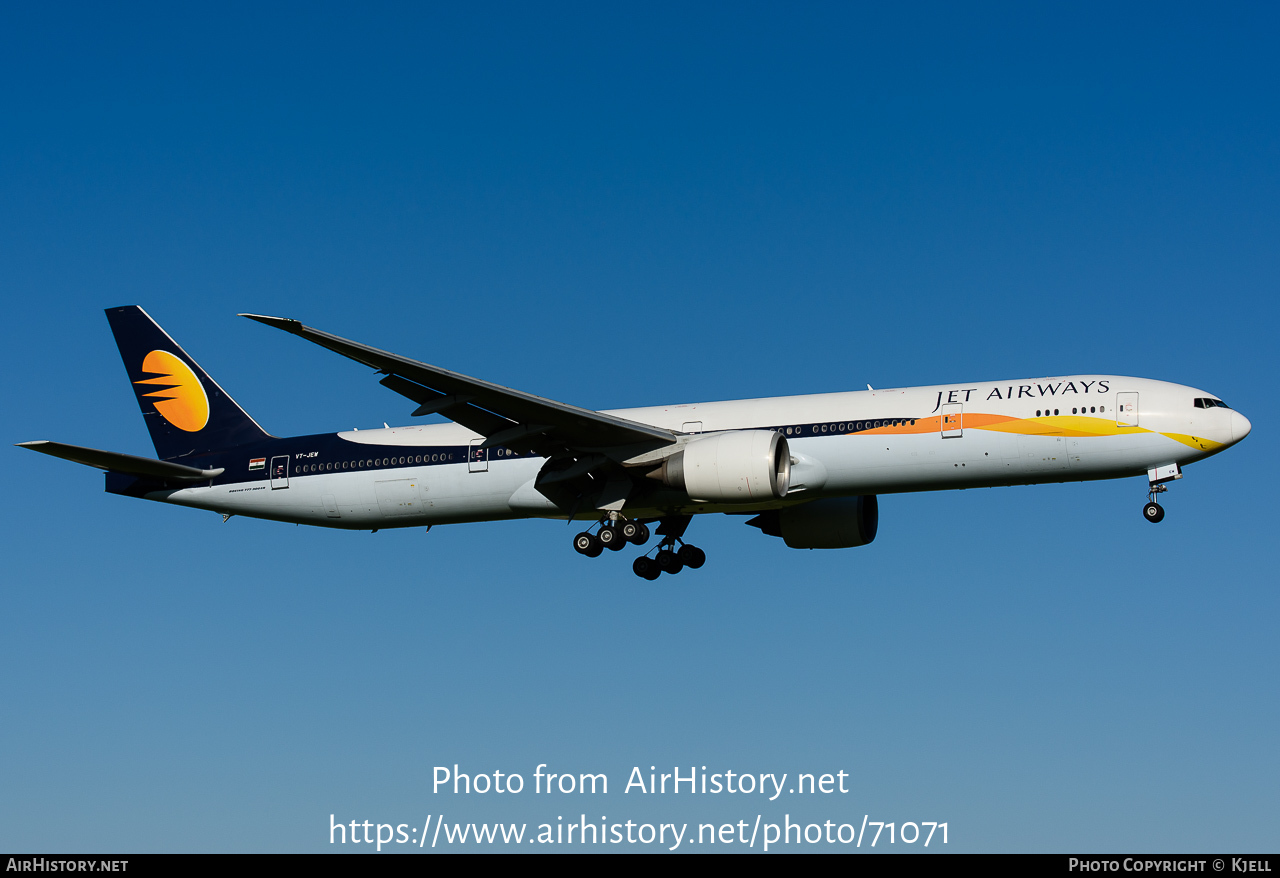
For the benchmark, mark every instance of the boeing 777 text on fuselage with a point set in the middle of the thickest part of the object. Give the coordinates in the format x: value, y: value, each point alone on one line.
x: 808, y: 468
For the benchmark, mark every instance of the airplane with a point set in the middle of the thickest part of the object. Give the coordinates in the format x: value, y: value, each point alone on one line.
x: 808, y: 469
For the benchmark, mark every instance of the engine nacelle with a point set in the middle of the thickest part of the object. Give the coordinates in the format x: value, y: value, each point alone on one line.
x: 830, y: 523
x: 742, y: 466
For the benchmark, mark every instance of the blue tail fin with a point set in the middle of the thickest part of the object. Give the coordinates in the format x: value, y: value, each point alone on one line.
x: 185, y: 410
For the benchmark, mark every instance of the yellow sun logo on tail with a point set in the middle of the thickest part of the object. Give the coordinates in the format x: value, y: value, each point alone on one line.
x: 179, y: 396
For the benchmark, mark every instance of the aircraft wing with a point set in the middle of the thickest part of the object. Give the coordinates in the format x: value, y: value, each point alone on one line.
x: 504, y: 416
x: 123, y: 463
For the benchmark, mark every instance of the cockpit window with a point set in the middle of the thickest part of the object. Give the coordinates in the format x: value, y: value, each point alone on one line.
x: 1207, y: 403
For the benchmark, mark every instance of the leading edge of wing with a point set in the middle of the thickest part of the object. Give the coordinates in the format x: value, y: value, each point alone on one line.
x: 575, y: 426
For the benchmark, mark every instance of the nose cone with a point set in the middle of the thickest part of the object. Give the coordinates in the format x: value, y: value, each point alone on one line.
x: 1240, y: 426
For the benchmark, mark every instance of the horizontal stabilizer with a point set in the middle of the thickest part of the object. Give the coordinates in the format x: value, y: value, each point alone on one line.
x: 123, y: 463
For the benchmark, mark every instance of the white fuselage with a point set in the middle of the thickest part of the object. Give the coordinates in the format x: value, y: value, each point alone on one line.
x: 941, y: 437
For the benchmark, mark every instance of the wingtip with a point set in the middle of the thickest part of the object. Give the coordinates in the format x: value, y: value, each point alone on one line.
x: 286, y: 323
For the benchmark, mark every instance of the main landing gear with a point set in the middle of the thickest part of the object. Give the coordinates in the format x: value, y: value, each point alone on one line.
x: 668, y: 558
x: 612, y: 535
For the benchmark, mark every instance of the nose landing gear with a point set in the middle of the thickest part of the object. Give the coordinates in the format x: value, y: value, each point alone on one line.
x: 1153, y: 511
x: 1156, y: 478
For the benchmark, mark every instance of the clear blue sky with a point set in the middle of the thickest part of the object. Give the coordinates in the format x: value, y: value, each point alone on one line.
x: 620, y: 208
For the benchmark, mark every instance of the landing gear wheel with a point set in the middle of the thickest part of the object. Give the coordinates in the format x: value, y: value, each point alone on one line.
x: 611, y: 537
x: 692, y: 556
x: 587, y: 544
x: 634, y: 532
x: 646, y: 568
x: 669, y: 561
x: 1153, y: 512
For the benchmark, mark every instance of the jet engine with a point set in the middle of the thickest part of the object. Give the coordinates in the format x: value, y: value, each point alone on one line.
x: 742, y: 466
x: 830, y: 523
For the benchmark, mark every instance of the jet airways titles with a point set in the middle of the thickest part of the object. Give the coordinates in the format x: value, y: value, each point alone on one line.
x: 1024, y: 390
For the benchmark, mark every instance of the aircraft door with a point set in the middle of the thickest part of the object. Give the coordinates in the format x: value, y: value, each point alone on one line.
x: 477, y: 457
x: 952, y: 420
x: 280, y: 472
x: 1126, y: 409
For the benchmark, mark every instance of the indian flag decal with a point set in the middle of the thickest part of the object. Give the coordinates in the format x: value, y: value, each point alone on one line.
x: 257, y: 463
